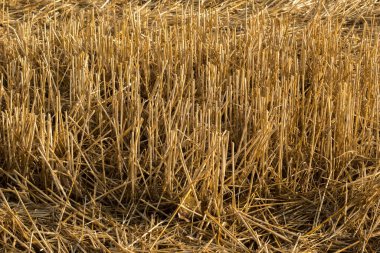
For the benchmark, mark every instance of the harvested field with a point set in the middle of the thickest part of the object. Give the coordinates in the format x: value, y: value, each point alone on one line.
x: 190, y: 126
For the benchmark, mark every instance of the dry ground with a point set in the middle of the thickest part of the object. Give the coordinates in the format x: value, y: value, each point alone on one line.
x: 181, y: 126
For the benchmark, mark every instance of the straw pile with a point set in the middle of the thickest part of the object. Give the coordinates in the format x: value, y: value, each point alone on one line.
x: 181, y: 126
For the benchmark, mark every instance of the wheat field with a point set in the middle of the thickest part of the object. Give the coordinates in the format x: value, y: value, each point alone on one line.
x: 190, y: 126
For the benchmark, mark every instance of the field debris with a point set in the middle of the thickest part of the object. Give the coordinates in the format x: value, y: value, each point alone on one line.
x: 182, y: 126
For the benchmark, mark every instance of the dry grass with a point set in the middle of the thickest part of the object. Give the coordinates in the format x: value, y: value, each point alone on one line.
x: 180, y: 126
